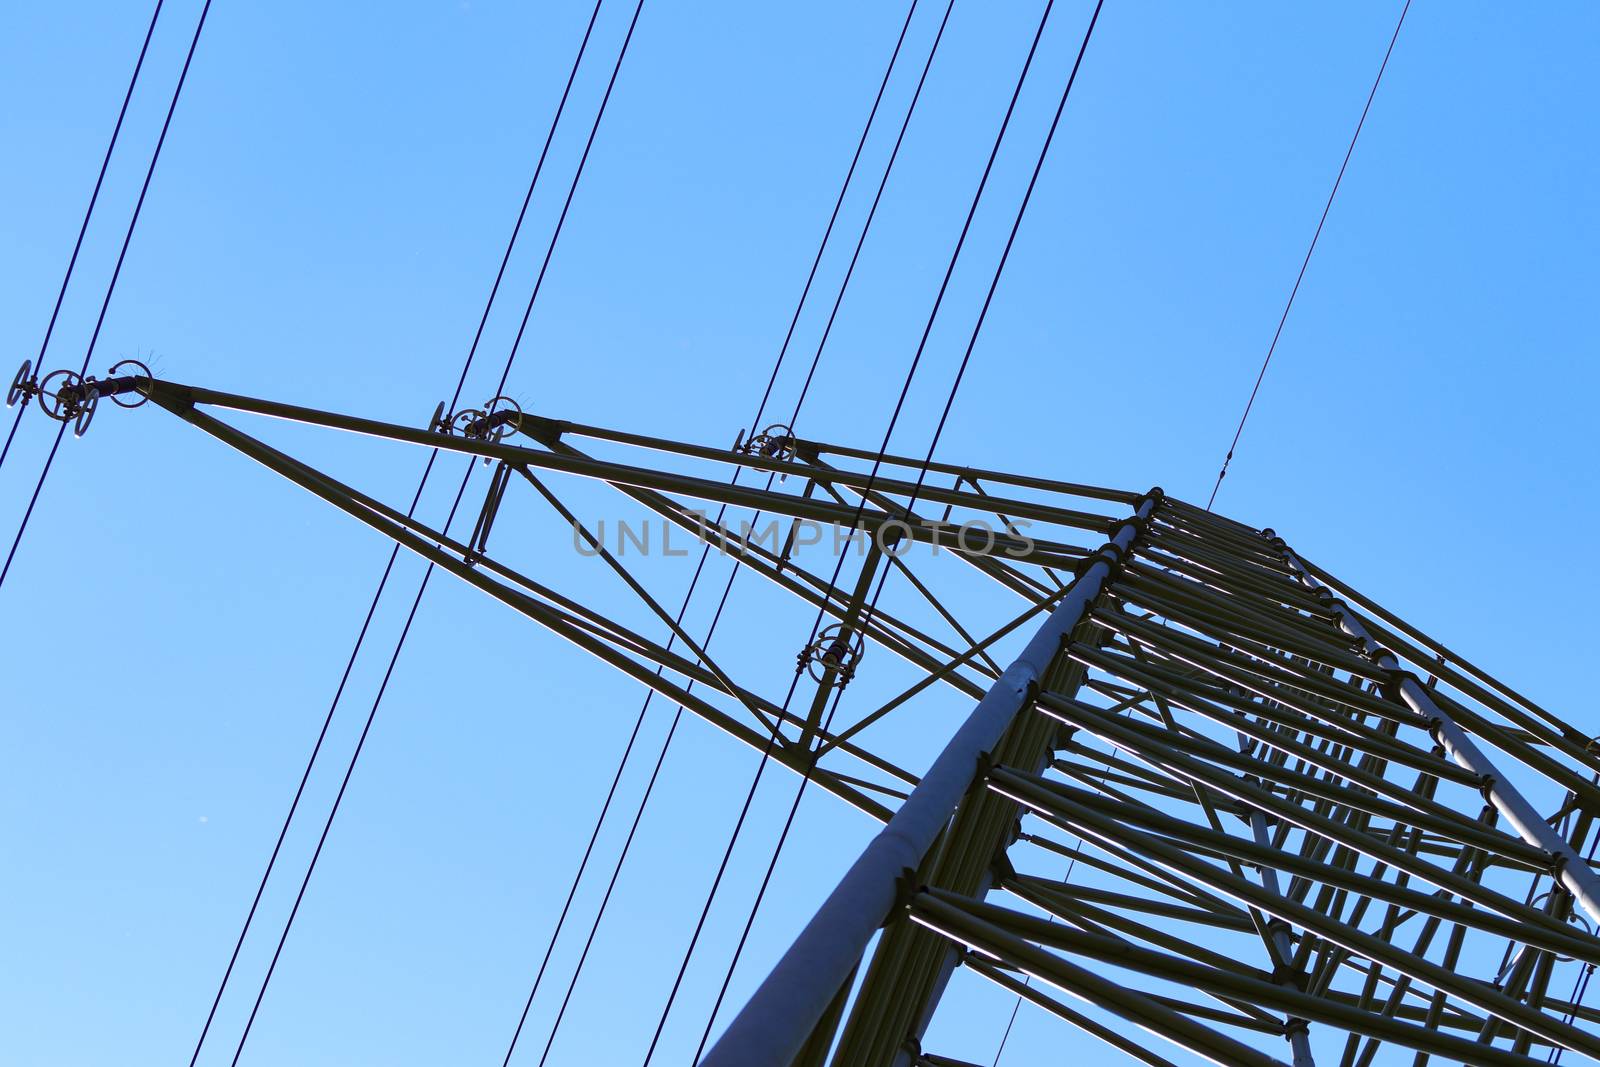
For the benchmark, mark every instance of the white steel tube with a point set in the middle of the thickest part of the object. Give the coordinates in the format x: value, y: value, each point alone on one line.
x: 1570, y: 869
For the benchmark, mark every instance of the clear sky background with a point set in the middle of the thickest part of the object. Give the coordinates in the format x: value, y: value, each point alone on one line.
x: 323, y: 228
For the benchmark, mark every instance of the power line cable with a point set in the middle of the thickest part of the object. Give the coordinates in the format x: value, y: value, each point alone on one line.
x: 527, y: 198
x: 860, y: 508
x: 566, y: 205
x: 83, y: 228
x: 689, y: 594
x: 1273, y: 347
x: 510, y: 358
x: 838, y: 203
x: 111, y: 287
x: 616, y: 871
x: 305, y: 776
x: 999, y: 1051
x: 732, y: 576
x: 872, y: 213
x: 921, y: 476
x: 817, y: 357
x: 395, y: 551
x: 344, y: 782
x: 594, y: 835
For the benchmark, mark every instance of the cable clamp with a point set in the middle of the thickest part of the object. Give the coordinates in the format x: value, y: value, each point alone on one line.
x: 23, y: 385
x: 69, y: 397
x: 1274, y: 926
x: 1002, y: 866
x: 490, y: 424
x: 833, y: 656
x: 775, y: 442
x: 906, y: 887
x: 1287, y: 975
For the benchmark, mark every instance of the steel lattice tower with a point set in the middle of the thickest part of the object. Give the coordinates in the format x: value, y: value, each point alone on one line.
x: 1302, y: 831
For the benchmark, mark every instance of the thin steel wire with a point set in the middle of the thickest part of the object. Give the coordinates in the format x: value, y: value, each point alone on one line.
x: 344, y: 783
x: 83, y: 227
x: 860, y: 510
x: 111, y: 287
x: 394, y: 553
x: 1306, y: 262
x: 694, y: 582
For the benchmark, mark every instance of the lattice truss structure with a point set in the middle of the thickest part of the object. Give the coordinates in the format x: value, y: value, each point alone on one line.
x: 1221, y: 806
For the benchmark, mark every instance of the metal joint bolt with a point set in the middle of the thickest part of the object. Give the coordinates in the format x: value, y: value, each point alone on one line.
x: 906, y: 887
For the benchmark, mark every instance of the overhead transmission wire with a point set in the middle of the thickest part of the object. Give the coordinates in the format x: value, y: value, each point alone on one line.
x: 1271, y: 348
x: 872, y: 214
x: 865, y: 496
x: 116, y: 273
x: 705, y: 553
x: 955, y: 386
x: 860, y: 511
x: 383, y: 583
x: 1306, y: 262
x: 822, y: 342
x: 83, y: 228
x: 344, y: 783
x: 510, y: 360
x: 394, y: 552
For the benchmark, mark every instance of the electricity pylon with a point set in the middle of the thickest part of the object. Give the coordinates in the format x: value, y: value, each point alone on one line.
x: 1293, y: 827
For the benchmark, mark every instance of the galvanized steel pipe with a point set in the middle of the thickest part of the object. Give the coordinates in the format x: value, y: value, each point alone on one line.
x: 1570, y: 869
x: 780, y: 1015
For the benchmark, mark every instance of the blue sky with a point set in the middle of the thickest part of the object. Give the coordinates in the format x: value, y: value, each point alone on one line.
x: 323, y: 228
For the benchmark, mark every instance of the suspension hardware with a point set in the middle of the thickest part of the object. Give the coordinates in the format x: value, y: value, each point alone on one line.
x: 495, y: 421
x: 833, y: 656
x: 775, y: 442
x: 69, y: 397
x: 23, y: 385
x: 136, y: 370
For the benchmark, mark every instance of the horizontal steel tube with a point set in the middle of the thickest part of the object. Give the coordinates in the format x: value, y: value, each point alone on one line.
x: 700, y: 488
